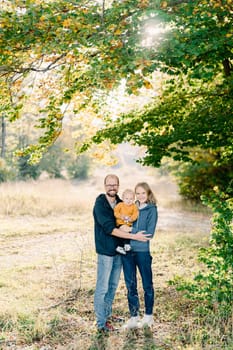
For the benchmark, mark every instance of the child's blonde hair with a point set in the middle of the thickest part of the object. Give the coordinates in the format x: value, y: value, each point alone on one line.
x: 128, y: 190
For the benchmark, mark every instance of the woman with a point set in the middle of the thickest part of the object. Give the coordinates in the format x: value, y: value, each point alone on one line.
x: 139, y: 257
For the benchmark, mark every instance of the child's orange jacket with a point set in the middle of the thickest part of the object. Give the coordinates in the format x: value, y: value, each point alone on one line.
x: 122, y: 210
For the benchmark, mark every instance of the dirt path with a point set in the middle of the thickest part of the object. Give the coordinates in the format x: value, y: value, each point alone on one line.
x: 18, y: 251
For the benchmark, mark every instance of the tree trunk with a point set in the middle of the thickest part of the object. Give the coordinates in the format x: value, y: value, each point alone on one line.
x: 3, y: 138
x: 227, y: 67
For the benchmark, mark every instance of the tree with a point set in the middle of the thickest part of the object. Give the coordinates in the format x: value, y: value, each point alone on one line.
x: 79, y: 168
x: 89, y: 46
x: 194, y: 107
x: 3, y: 137
x: 27, y: 171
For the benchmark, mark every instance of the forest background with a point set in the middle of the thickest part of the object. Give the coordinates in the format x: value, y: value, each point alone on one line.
x: 77, y: 79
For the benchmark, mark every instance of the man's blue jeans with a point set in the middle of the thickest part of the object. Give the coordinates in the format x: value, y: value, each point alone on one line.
x: 108, y: 276
x: 141, y: 260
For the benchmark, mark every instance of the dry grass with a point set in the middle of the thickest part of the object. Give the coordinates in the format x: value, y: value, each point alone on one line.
x: 42, y: 198
x: 48, y: 268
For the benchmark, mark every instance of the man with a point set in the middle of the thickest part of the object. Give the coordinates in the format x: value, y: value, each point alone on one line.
x: 108, y: 261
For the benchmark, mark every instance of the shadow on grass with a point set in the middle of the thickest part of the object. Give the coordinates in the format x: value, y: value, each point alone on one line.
x: 99, y: 341
x: 131, y: 340
x: 139, y: 339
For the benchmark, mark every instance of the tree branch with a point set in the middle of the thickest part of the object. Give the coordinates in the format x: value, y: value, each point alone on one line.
x: 179, y: 2
x: 6, y: 69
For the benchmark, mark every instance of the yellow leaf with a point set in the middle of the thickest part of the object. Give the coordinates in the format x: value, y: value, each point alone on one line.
x: 112, y: 27
x: 67, y: 22
x: 143, y: 3
x: 147, y: 84
x: 164, y: 4
x: 134, y: 90
x: 118, y: 32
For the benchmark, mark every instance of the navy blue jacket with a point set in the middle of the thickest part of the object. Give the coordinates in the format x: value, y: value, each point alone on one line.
x: 104, y: 223
x: 146, y: 221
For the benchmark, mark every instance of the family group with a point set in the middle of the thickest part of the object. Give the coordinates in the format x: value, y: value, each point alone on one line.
x: 123, y: 229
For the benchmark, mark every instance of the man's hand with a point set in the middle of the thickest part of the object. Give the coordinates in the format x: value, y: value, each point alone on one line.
x: 140, y: 236
x: 124, y: 232
x: 125, y: 228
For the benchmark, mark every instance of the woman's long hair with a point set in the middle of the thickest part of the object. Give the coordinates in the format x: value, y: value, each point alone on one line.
x: 150, y: 195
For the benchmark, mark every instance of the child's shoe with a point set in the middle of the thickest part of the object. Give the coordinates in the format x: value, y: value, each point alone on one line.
x: 120, y: 250
x: 127, y: 247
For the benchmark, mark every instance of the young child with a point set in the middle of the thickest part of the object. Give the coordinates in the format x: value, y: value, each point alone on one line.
x: 126, y: 213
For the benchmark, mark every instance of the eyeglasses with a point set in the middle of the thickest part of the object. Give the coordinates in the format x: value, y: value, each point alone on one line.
x: 111, y: 185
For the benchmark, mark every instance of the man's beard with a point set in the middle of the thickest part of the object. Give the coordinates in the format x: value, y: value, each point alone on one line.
x: 112, y: 193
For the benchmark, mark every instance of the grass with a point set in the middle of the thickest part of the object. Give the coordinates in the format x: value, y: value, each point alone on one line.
x: 48, y: 266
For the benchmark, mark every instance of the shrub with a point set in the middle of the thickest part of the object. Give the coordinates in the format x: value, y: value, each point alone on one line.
x: 214, y: 285
x: 79, y: 168
x: 6, y: 173
x: 27, y: 170
x: 201, y: 176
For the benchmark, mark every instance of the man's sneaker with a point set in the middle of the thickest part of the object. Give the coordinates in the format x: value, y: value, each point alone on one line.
x: 120, y: 250
x: 146, y: 321
x: 115, y: 318
x: 109, y: 327
x: 131, y: 323
x: 127, y: 247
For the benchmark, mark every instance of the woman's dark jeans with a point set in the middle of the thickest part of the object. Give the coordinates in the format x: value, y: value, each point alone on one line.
x: 141, y: 260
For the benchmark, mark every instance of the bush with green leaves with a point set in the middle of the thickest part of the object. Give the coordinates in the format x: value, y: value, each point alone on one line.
x: 214, y: 284
x: 5, y: 172
x: 202, y: 174
x: 54, y: 161
x: 26, y: 170
x: 79, y: 168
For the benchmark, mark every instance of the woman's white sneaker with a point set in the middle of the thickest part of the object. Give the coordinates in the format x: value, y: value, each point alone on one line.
x: 146, y: 321
x: 131, y: 323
